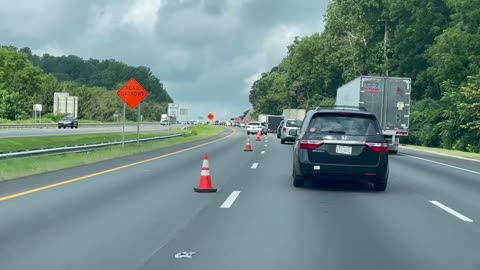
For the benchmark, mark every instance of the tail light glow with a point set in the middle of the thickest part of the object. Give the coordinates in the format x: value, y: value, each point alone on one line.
x: 378, y: 147
x: 310, y: 144
x: 284, y: 130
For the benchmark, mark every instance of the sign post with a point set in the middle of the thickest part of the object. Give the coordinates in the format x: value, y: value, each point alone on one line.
x: 123, y: 126
x: 37, y: 109
x: 138, y: 124
x: 132, y: 94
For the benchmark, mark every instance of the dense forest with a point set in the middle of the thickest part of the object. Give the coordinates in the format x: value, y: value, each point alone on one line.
x: 434, y: 42
x: 26, y: 79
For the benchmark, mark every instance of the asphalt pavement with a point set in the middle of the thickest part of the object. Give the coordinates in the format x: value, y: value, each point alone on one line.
x: 146, y: 215
x: 37, y: 132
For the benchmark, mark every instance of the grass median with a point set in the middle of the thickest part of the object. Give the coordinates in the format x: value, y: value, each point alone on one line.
x: 453, y: 153
x: 42, y: 142
x: 16, y: 168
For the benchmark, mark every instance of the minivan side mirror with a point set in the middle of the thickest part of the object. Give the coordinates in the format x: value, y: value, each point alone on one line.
x: 293, y: 132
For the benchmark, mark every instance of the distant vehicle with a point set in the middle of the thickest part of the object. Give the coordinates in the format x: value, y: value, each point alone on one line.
x: 340, y: 144
x: 279, y: 129
x: 70, y: 122
x: 273, y: 121
x: 388, y: 98
x: 297, y: 114
x: 264, y: 129
x: 288, y: 125
x: 242, y: 124
x: 254, y: 127
x: 262, y: 118
x: 164, y: 122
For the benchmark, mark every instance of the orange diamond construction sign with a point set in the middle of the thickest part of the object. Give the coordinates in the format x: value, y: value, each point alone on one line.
x: 132, y: 93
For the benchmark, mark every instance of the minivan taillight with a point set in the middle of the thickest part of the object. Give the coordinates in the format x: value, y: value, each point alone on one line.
x: 378, y: 147
x: 310, y: 144
x: 284, y: 130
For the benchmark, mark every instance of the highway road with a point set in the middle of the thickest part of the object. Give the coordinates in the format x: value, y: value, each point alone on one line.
x: 14, y: 133
x: 141, y: 215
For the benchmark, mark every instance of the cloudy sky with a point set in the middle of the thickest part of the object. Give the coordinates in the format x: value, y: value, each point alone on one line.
x: 206, y: 52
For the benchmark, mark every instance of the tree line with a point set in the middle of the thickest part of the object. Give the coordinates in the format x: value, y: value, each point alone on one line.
x: 434, y: 42
x: 27, y: 79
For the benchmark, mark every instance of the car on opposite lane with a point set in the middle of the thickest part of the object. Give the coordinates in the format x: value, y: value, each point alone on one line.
x: 340, y: 143
x: 68, y: 121
x: 289, y: 124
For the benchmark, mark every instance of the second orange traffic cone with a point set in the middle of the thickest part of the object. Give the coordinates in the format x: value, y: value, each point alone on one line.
x: 205, y: 183
x: 259, y: 136
x: 248, y: 146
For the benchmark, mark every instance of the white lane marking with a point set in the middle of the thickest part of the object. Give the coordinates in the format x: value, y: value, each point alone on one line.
x: 443, y: 164
x: 254, y: 165
x: 451, y: 211
x: 266, y: 144
x: 263, y: 152
x: 230, y: 200
x: 184, y: 254
x: 440, y: 154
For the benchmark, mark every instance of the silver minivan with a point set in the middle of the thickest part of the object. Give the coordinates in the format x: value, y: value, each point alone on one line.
x: 288, y: 125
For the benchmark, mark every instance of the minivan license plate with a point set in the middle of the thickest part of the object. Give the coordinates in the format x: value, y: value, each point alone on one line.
x: 346, y: 150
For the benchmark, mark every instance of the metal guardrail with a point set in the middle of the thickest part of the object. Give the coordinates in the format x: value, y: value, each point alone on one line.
x: 78, y: 148
x: 55, y: 125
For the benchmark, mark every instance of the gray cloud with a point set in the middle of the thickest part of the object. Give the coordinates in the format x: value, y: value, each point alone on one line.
x: 207, y: 52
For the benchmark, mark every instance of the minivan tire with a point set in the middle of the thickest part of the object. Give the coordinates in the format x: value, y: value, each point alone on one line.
x: 282, y: 141
x: 380, y: 186
x: 298, y: 181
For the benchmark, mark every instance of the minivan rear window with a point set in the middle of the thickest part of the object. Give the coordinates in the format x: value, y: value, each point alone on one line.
x: 254, y: 124
x: 294, y: 123
x: 345, y: 125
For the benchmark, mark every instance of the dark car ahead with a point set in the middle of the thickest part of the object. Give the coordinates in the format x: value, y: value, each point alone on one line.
x: 70, y: 122
x: 340, y: 143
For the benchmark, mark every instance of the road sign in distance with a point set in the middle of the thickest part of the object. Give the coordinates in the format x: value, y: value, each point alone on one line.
x: 211, y: 116
x: 132, y: 93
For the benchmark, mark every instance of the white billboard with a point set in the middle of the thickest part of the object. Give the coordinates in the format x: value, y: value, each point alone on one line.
x: 173, y: 110
x: 63, y: 103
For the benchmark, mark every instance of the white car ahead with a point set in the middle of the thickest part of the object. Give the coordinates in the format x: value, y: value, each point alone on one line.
x: 254, y: 127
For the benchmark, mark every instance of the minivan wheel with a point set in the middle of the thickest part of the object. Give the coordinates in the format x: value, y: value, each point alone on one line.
x: 298, y: 181
x: 380, y: 186
x: 282, y: 141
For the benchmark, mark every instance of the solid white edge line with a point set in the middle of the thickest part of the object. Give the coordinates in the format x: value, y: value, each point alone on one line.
x: 443, y: 164
x: 451, y: 211
x: 263, y: 152
x: 254, y: 165
x: 230, y: 200
x: 439, y: 154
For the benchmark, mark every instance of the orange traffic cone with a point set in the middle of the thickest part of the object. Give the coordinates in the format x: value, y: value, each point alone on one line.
x: 259, y: 136
x: 205, y: 184
x: 248, y: 146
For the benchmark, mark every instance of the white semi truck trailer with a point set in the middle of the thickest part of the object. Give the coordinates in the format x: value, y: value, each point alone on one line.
x: 388, y: 98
